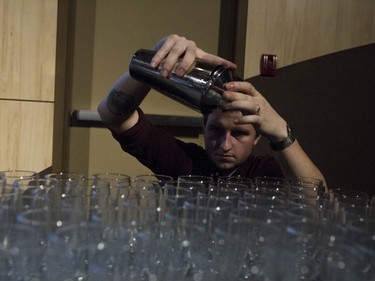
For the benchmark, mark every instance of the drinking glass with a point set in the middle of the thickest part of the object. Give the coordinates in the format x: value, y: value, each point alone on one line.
x: 362, y: 224
x: 276, y: 202
x: 258, y: 213
x: 245, y: 249
x: 12, y: 203
x: 17, y: 248
x: 299, y: 255
x: 314, y: 202
x: 30, y: 186
x: 151, y: 184
x: 88, y: 251
x: 144, y: 214
x: 343, y: 261
x: 148, y: 195
x: 366, y: 249
x: 38, y: 192
x: 114, y: 179
x: 144, y: 219
x: 348, y: 203
x: 157, y: 179
x: 120, y: 189
x: 8, y: 195
x: 206, y: 211
x: 307, y: 185
x: 174, y: 195
x: 271, y: 186
x: 68, y: 182
x: 371, y: 211
x: 371, y: 206
x: 65, y: 176
x: 195, y: 182
x: 11, y: 175
x: 2, y: 181
x: 45, y: 222
x: 230, y: 180
x: 304, y: 212
x: 184, y: 251
x: 233, y: 194
x: 96, y: 202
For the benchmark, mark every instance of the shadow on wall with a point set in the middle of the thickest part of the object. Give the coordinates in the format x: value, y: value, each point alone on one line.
x: 329, y: 102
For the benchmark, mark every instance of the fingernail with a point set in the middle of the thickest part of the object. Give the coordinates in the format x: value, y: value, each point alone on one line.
x: 153, y: 64
x: 164, y: 73
x: 226, y: 106
x: 229, y: 86
x: 180, y: 71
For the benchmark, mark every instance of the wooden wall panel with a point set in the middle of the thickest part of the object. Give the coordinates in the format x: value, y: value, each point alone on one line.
x: 26, y: 135
x: 28, y: 33
x: 28, y: 49
x: 297, y: 30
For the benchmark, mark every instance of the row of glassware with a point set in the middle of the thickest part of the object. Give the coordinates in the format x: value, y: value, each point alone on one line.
x: 65, y: 226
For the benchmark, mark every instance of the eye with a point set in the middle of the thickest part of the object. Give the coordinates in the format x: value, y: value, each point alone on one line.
x: 215, y: 130
x: 238, y: 133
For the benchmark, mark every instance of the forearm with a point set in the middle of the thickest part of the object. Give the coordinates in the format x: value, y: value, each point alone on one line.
x: 296, y: 163
x: 118, y: 108
x: 269, y: 124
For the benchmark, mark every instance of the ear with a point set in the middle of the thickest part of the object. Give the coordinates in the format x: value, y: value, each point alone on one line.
x: 257, y: 139
x: 204, y: 123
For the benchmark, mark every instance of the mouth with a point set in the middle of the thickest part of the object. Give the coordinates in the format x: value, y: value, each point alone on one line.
x: 225, y: 157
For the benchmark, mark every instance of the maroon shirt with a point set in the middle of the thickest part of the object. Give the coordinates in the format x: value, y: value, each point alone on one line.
x: 164, y: 154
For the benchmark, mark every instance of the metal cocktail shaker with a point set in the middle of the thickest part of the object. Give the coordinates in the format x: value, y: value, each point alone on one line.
x: 199, y: 89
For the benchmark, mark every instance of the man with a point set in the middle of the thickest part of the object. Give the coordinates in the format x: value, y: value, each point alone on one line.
x: 230, y: 133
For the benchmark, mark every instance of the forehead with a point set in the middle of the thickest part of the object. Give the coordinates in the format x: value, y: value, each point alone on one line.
x: 226, y: 119
x: 218, y: 114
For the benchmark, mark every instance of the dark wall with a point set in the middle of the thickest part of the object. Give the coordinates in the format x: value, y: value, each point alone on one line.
x: 329, y: 102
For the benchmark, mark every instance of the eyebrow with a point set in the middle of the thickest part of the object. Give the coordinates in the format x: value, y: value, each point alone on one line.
x: 242, y: 130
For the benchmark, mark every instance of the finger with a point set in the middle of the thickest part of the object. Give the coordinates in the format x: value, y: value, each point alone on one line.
x: 257, y: 111
x: 181, y: 56
x: 170, y: 47
x: 247, y: 107
x: 248, y: 119
x: 243, y: 102
x: 163, y: 48
x: 216, y: 59
x: 186, y: 62
x: 242, y: 87
x: 231, y: 96
x: 192, y: 53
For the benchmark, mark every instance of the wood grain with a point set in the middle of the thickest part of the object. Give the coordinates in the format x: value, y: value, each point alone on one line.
x: 28, y: 49
x: 26, y: 130
x: 27, y: 83
x: 297, y: 30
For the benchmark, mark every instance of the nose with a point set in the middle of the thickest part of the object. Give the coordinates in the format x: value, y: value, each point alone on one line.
x: 225, y: 144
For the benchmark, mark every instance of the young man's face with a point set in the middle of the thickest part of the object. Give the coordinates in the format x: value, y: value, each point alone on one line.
x: 228, y: 145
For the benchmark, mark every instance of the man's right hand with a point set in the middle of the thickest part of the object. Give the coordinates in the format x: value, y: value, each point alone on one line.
x: 173, y: 47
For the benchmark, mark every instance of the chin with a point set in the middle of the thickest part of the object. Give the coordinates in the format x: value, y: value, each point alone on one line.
x: 226, y: 166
